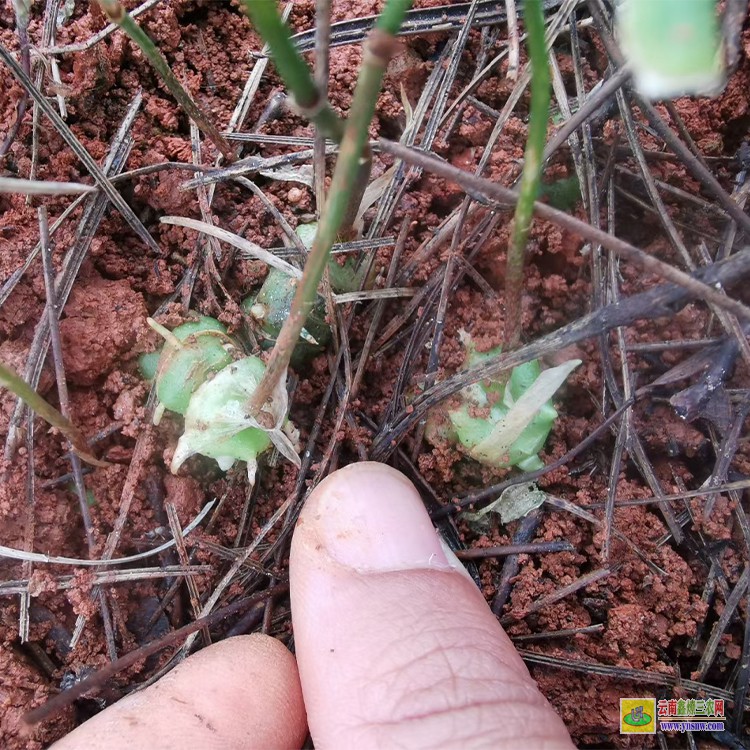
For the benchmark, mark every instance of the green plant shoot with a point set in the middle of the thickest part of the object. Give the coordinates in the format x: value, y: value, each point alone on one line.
x: 217, y: 425
x: 503, y: 424
x: 675, y: 47
x: 271, y: 306
x: 191, y: 352
x: 197, y: 376
x: 346, y: 180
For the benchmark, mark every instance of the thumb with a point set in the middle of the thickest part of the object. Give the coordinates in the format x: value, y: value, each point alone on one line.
x: 396, y: 646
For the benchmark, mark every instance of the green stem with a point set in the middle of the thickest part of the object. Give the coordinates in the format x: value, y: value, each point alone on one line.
x: 292, y: 68
x: 532, y: 170
x: 17, y: 385
x: 116, y: 13
x: 392, y: 17
x: 378, y: 51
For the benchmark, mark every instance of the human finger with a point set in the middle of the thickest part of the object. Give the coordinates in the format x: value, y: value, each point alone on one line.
x: 238, y: 694
x: 396, y: 646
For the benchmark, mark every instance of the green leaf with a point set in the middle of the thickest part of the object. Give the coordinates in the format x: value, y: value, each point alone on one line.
x: 496, y: 449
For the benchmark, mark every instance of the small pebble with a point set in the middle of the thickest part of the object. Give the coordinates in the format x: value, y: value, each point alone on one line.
x: 295, y: 195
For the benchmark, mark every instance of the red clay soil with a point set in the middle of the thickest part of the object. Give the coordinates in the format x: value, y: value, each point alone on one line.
x: 646, y: 620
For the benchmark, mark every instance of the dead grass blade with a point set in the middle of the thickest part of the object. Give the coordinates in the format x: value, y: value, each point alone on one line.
x: 99, y: 36
x: 626, y: 673
x: 709, y: 652
x: 57, y: 358
x: 556, y: 596
x: 236, y: 565
x: 15, y: 554
x: 535, y: 548
x: 110, y: 577
x: 248, y: 248
x: 39, y: 187
x: 10, y: 284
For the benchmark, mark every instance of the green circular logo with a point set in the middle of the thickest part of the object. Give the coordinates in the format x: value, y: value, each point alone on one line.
x: 637, y: 719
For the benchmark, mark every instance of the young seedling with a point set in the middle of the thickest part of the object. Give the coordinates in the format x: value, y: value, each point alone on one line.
x: 563, y: 194
x: 17, y: 385
x: 270, y: 307
x: 197, y: 376
x: 257, y: 403
x: 503, y: 424
x: 218, y: 426
x: 191, y: 353
x: 116, y: 13
x: 675, y: 47
x: 306, y: 97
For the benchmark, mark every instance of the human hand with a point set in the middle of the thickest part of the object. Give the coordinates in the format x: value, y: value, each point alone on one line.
x: 395, y: 647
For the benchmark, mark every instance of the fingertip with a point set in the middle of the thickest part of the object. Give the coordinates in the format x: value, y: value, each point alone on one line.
x: 370, y: 518
x: 395, y: 644
x: 240, y: 693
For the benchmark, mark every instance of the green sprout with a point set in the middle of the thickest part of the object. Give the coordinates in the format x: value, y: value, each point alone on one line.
x: 91, y: 500
x: 674, y: 46
x: 347, y: 183
x: 217, y: 425
x: 532, y: 170
x: 196, y: 375
x: 503, y: 424
x: 338, y: 216
x: 271, y: 306
x: 191, y: 352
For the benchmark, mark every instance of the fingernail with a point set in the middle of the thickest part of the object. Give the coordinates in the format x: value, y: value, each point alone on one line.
x: 453, y: 561
x: 370, y: 518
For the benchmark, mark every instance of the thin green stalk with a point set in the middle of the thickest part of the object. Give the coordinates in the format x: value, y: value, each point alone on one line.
x: 390, y: 21
x: 384, y: 32
x: 378, y: 51
x: 293, y: 69
x: 532, y: 170
x: 17, y: 385
x: 116, y: 13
